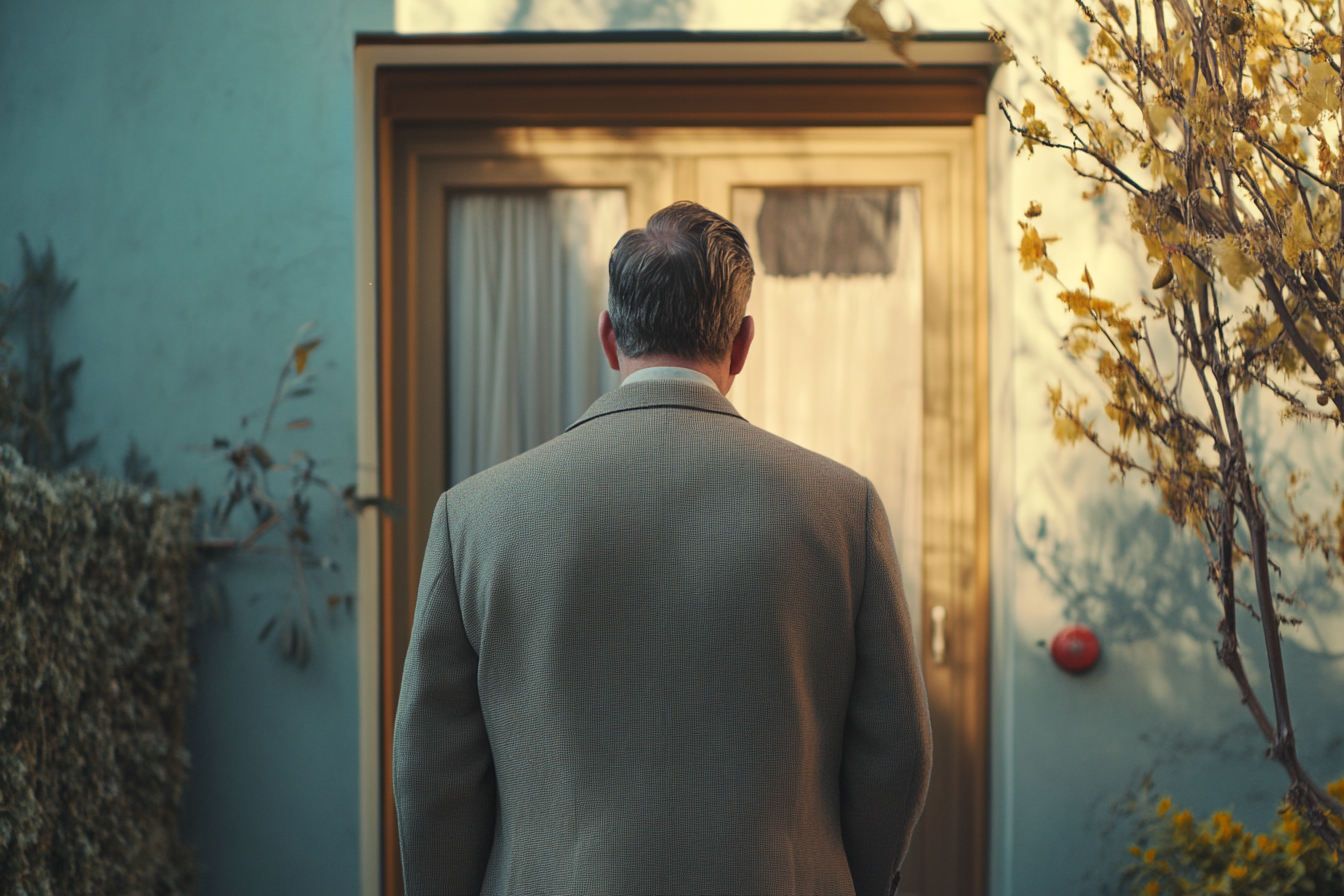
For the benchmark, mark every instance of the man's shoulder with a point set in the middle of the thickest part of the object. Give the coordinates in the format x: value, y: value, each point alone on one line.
x: 800, y: 459
x: 670, y: 441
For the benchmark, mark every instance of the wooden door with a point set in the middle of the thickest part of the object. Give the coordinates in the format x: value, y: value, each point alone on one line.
x: 946, y: 398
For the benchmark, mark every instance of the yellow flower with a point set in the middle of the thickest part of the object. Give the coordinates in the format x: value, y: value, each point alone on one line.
x: 1183, y: 818
x: 1164, y: 806
x: 1235, y: 871
x: 1152, y: 889
x: 1150, y: 855
x: 1294, y: 846
x: 1134, y: 850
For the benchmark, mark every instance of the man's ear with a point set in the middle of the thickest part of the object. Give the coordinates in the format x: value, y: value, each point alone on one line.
x: 606, y: 333
x: 741, y: 345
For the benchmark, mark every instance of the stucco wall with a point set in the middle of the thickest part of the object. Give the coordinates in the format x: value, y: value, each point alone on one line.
x: 192, y: 164
x: 1073, y: 546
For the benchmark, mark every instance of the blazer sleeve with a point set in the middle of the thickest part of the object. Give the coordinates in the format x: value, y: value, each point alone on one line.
x: 443, y: 778
x: 884, y: 769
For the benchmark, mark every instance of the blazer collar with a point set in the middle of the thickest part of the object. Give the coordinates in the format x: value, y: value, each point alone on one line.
x: 658, y: 394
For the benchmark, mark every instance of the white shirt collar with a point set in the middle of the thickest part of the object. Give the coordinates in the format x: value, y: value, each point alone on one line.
x: 669, y: 373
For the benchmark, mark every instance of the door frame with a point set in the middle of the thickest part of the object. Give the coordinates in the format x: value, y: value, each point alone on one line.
x: 633, y: 80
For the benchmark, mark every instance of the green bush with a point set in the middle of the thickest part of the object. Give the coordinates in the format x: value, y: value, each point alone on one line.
x: 1178, y: 854
x: 94, y: 678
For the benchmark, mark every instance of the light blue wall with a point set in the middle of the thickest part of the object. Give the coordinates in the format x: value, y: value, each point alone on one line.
x: 192, y: 163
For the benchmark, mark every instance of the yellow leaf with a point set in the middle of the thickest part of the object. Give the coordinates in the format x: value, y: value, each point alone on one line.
x: 1087, y: 278
x: 1320, y: 93
x: 1033, y: 210
x: 868, y: 21
x: 1031, y: 251
x: 1261, y: 64
x: 1160, y: 116
x: 1297, y: 236
x: 1242, y: 151
x: 301, y: 353
x: 1272, y: 27
x: 1326, y: 218
x: 1124, y: 420
x: 1028, y: 109
x: 865, y: 17
x: 1187, y: 272
x: 1078, y: 302
x: 1067, y: 431
x: 1234, y: 263
x: 1167, y: 169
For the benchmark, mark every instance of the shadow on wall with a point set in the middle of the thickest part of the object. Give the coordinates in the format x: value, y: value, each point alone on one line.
x: 1158, y: 709
x: 1130, y: 574
x: 1125, y: 571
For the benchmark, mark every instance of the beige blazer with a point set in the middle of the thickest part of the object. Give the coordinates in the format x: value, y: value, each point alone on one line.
x: 665, y: 652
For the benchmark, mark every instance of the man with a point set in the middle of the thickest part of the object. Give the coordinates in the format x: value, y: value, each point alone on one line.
x: 666, y: 651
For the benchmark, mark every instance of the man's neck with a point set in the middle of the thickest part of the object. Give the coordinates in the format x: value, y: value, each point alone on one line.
x: 717, y: 371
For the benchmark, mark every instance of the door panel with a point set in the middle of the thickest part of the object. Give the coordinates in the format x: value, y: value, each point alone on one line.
x: 831, y: 369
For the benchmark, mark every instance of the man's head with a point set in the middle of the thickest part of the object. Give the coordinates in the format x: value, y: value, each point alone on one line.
x: 679, y: 286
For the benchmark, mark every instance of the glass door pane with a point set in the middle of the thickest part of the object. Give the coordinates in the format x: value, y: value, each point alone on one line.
x: 526, y: 281
x: 837, y: 365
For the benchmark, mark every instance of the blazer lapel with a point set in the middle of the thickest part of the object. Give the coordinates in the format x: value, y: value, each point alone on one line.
x: 658, y: 394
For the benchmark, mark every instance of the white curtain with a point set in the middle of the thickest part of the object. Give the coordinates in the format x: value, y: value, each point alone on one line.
x: 527, y: 279
x: 837, y: 363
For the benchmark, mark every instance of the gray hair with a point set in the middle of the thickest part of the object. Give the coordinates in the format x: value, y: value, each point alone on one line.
x: 680, y: 285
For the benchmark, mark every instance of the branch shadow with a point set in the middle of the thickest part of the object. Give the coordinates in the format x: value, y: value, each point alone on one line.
x: 1125, y: 571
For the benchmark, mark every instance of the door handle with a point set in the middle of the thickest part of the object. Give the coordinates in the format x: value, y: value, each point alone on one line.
x: 938, y: 637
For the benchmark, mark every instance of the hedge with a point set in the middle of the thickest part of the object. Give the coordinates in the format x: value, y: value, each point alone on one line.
x: 94, y: 678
